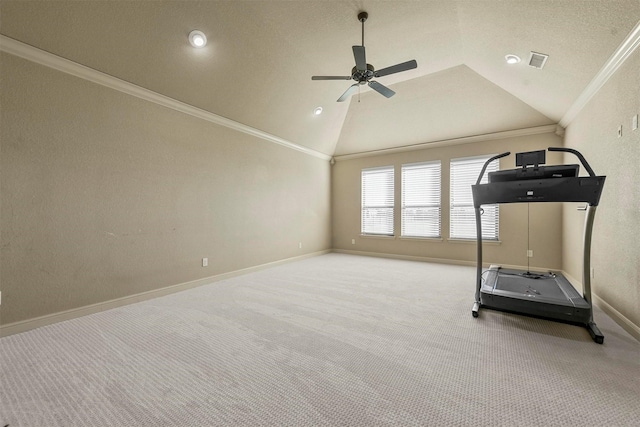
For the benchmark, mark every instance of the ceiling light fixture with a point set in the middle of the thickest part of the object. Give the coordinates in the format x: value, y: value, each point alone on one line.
x: 317, y: 111
x: 512, y: 59
x: 197, y: 38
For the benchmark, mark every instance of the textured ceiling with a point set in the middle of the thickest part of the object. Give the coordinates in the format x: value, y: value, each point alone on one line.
x: 257, y: 67
x: 464, y: 100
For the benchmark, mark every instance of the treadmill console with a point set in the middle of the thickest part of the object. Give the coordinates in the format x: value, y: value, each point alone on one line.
x: 541, y: 172
x: 535, y: 182
x: 531, y: 169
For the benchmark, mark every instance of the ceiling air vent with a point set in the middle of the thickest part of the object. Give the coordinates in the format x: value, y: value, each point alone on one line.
x: 537, y: 60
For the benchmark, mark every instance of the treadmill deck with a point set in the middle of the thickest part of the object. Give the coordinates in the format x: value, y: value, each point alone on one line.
x: 547, y: 295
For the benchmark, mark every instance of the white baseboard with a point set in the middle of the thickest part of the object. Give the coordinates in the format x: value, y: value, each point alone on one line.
x: 619, y: 318
x: 26, y: 325
x: 406, y: 257
x: 441, y: 260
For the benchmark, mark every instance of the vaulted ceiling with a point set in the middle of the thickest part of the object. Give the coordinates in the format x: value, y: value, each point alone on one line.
x: 256, y: 68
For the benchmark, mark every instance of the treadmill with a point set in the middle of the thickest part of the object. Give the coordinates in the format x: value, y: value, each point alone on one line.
x: 548, y: 295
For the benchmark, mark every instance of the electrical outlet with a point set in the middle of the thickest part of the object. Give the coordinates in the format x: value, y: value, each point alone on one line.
x: 634, y: 122
x: 530, y: 253
x: 205, y: 262
x: 620, y: 131
x: 353, y: 241
x: 299, y: 245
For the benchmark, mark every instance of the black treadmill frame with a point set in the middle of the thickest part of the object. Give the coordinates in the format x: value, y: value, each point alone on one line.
x: 561, y: 189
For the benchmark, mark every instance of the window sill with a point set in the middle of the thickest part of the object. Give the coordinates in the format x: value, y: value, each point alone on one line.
x: 428, y: 239
x: 473, y: 241
x: 377, y: 236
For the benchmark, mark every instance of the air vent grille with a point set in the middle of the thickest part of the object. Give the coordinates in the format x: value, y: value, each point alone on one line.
x: 537, y: 60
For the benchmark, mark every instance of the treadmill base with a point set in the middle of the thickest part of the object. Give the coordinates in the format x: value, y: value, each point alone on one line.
x: 544, y: 295
x: 591, y: 327
x: 595, y: 333
x: 549, y: 297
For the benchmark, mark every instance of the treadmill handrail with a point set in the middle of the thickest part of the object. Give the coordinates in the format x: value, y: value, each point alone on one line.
x: 484, y: 167
x: 578, y: 155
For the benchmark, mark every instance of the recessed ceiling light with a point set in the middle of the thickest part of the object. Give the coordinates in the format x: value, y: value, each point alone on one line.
x: 317, y: 111
x: 197, y: 38
x: 512, y: 59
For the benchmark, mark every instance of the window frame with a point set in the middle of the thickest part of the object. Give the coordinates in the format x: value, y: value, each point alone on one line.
x: 462, y: 224
x: 382, y: 222
x: 409, y: 187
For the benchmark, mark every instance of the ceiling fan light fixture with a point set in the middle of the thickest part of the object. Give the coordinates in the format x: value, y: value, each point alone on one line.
x: 512, y: 59
x: 197, y: 39
x: 317, y: 111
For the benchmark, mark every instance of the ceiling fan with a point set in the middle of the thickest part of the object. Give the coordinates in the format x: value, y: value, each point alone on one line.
x: 362, y: 73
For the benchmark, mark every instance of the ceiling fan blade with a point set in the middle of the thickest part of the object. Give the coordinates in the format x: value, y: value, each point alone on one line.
x: 381, y: 89
x: 331, y: 78
x: 396, y: 68
x: 348, y: 92
x: 360, y: 57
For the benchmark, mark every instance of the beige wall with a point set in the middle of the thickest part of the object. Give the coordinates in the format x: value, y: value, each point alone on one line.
x: 105, y: 195
x: 546, y: 219
x: 615, y: 251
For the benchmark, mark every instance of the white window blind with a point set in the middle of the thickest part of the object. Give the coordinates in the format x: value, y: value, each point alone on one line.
x: 421, y: 199
x: 377, y: 201
x: 464, y: 173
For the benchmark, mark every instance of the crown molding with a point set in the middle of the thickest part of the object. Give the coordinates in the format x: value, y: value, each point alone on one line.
x: 38, y: 56
x: 456, y: 141
x: 622, y: 53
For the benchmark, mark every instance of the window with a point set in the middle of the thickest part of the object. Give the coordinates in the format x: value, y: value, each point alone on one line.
x: 464, y: 173
x: 421, y: 199
x: 377, y: 201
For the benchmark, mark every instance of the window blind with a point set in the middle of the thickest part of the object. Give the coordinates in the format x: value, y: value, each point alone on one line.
x: 421, y: 199
x: 377, y: 201
x: 463, y: 174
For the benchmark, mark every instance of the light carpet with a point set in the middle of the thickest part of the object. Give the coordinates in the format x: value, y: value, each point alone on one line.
x: 335, y: 340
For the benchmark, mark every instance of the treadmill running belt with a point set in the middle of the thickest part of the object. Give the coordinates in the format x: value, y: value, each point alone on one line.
x: 545, y: 286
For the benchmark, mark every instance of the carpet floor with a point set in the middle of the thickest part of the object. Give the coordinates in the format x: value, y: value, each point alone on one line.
x: 334, y: 340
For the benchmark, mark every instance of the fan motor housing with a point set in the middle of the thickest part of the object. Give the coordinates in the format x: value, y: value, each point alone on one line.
x: 362, y: 76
